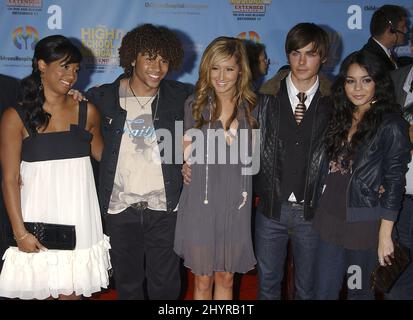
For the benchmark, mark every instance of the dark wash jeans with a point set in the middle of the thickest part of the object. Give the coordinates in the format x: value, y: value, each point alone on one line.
x: 403, y: 288
x: 332, y: 265
x: 271, y: 239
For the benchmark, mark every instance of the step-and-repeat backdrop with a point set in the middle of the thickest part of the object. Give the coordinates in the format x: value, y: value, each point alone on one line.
x: 99, y: 25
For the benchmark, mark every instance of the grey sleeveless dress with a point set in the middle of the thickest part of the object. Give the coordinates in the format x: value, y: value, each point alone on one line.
x: 216, y: 236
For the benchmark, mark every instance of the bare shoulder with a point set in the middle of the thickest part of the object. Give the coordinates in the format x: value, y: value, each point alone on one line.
x: 93, y: 114
x: 11, y: 116
x: 11, y: 123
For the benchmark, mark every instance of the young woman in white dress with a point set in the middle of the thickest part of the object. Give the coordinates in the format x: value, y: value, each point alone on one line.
x: 46, y: 142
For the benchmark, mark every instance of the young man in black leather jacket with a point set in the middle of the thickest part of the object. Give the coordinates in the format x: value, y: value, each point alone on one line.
x: 289, y: 135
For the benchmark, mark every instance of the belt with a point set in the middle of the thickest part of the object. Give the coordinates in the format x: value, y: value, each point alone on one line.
x: 142, y: 205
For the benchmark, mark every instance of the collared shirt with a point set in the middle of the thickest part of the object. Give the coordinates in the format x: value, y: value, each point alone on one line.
x: 293, y: 91
x: 387, y: 51
x: 292, y: 95
x: 407, y: 86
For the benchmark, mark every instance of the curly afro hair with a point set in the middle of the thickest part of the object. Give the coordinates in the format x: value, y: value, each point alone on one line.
x: 152, y: 40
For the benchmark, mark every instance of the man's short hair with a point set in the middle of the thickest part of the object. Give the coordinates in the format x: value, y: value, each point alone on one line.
x: 303, y: 34
x: 386, y: 16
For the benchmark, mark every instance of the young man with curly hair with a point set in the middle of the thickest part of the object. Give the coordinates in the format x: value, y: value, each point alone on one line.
x: 138, y: 192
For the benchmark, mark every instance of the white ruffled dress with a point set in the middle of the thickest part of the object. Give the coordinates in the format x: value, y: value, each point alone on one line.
x: 58, y: 187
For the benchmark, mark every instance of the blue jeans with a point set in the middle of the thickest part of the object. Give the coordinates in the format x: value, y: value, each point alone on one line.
x: 403, y: 288
x: 333, y: 264
x: 271, y: 239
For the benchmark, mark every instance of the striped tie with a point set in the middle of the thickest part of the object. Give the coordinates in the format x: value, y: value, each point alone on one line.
x: 300, y: 108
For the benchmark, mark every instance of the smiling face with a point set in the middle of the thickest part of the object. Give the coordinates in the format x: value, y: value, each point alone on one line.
x: 148, y: 73
x: 359, y: 86
x: 58, y: 76
x: 224, y: 76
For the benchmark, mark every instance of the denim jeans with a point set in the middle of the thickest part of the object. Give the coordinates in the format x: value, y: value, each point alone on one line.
x: 271, y: 239
x: 332, y: 266
x: 403, y: 288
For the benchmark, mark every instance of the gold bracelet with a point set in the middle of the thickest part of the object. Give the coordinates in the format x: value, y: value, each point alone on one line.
x: 22, y: 237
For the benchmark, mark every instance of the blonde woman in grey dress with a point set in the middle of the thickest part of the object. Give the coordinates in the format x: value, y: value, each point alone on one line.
x: 213, y: 230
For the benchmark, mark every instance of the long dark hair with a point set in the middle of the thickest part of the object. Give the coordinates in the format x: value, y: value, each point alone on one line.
x: 48, y: 49
x: 383, y: 102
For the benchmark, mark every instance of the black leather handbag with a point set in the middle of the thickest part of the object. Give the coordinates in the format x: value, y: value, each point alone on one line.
x: 52, y: 236
x: 384, y: 277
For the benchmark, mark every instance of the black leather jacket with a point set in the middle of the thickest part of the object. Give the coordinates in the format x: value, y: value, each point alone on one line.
x: 268, y: 181
x: 380, y: 161
x: 172, y: 95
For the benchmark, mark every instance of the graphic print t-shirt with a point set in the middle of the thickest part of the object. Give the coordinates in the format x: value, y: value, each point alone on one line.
x: 138, y: 173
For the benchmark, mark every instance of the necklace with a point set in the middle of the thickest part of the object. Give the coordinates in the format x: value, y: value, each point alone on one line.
x: 150, y: 98
x: 157, y: 97
x: 244, y: 192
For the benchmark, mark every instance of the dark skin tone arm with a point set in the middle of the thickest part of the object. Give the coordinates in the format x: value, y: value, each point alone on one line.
x: 12, y: 133
x: 93, y: 126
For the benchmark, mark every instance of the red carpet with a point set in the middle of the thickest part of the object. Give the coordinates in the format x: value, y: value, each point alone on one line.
x: 245, y: 288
